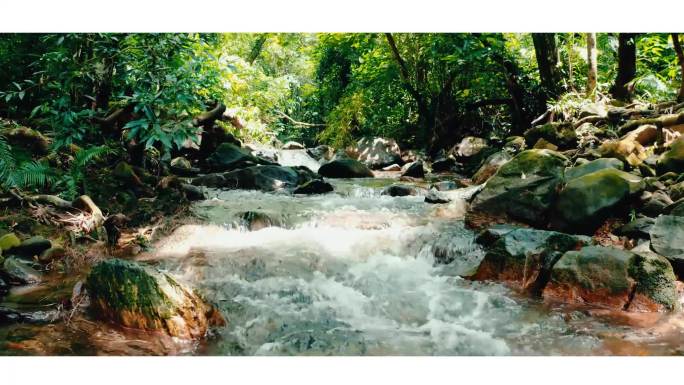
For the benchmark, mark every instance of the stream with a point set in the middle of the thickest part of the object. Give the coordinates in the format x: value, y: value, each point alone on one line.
x: 354, y: 272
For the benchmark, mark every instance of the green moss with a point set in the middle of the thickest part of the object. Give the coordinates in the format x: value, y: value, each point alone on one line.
x: 655, y: 279
x: 9, y: 241
x: 593, y: 166
x: 124, y: 285
x: 672, y: 160
x: 561, y: 134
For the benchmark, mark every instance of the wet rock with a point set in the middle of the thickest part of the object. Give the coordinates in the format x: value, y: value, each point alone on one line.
x: 436, y: 198
x: 229, y: 157
x: 400, y: 190
x: 587, y: 201
x: 315, y: 186
x: 561, y: 134
x: 636, y: 229
x: 266, y: 178
x: 293, y: 146
x: 193, y: 193
x: 125, y: 173
x: 210, y: 180
x: 592, y: 166
x: 377, y: 153
x: 443, y: 165
x: 182, y: 166
x: 138, y: 296
x: 414, y: 170
x: 673, y: 159
x: 4, y: 286
x: 9, y: 241
x: 618, y: 279
x: 20, y: 271
x: 345, y: 168
x: 31, y: 247
x: 490, y: 166
x: 523, y: 256
x: 667, y: 239
x: 524, y: 188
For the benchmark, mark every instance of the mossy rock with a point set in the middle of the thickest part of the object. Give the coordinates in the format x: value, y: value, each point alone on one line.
x: 562, y: 134
x: 9, y: 241
x: 31, y: 247
x: 524, y: 256
x: 592, y: 166
x: 587, y: 201
x: 345, y: 168
x: 139, y: 296
x: 20, y: 271
x: 490, y: 166
x: 613, y: 278
x: 524, y: 188
x: 672, y: 160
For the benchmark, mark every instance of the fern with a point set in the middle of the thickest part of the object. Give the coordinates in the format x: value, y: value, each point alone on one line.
x: 33, y: 175
x: 85, y: 156
x: 74, y: 178
x: 7, y: 162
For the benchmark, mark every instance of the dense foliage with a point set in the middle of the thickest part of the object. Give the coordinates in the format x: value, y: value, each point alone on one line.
x: 133, y: 91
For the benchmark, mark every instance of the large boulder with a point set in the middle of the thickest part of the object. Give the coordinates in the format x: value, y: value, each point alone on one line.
x: 667, y: 239
x: 27, y: 138
x: 613, y: 278
x: 523, y: 256
x: 400, y: 190
x: 377, y: 153
x: 490, y: 166
x: 673, y: 159
x: 20, y: 271
x: 345, y: 168
x: 443, y: 165
x: 229, y: 157
x: 267, y: 178
x: 586, y: 202
x: 562, y: 134
x: 138, y: 296
x: 321, y: 153
x: 524, y: 188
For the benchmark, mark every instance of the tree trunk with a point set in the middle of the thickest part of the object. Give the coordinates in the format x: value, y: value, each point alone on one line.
x: 592, y: 65
x: 547, y: 62
x: 680, y: 58
x: 626, y: 67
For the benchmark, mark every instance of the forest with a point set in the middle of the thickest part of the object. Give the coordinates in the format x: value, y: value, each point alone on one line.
x: 341, y: 193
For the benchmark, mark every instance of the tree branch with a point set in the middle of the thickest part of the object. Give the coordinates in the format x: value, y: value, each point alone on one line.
x: 298, y: 123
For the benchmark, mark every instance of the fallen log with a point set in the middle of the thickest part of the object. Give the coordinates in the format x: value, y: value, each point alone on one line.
x: 660, y: 122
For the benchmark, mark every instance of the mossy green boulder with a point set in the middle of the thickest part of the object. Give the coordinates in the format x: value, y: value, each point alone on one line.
x: 587, y: 201
x: 613, y: 278
x: 139, y: 296
x: 673, y: 159
x: 524, y: 188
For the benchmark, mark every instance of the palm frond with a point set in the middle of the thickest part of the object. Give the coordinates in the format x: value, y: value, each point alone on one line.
x: 7, y: 163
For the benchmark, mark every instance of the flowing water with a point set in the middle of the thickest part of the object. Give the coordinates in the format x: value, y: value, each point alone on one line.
x: 357, y: 273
